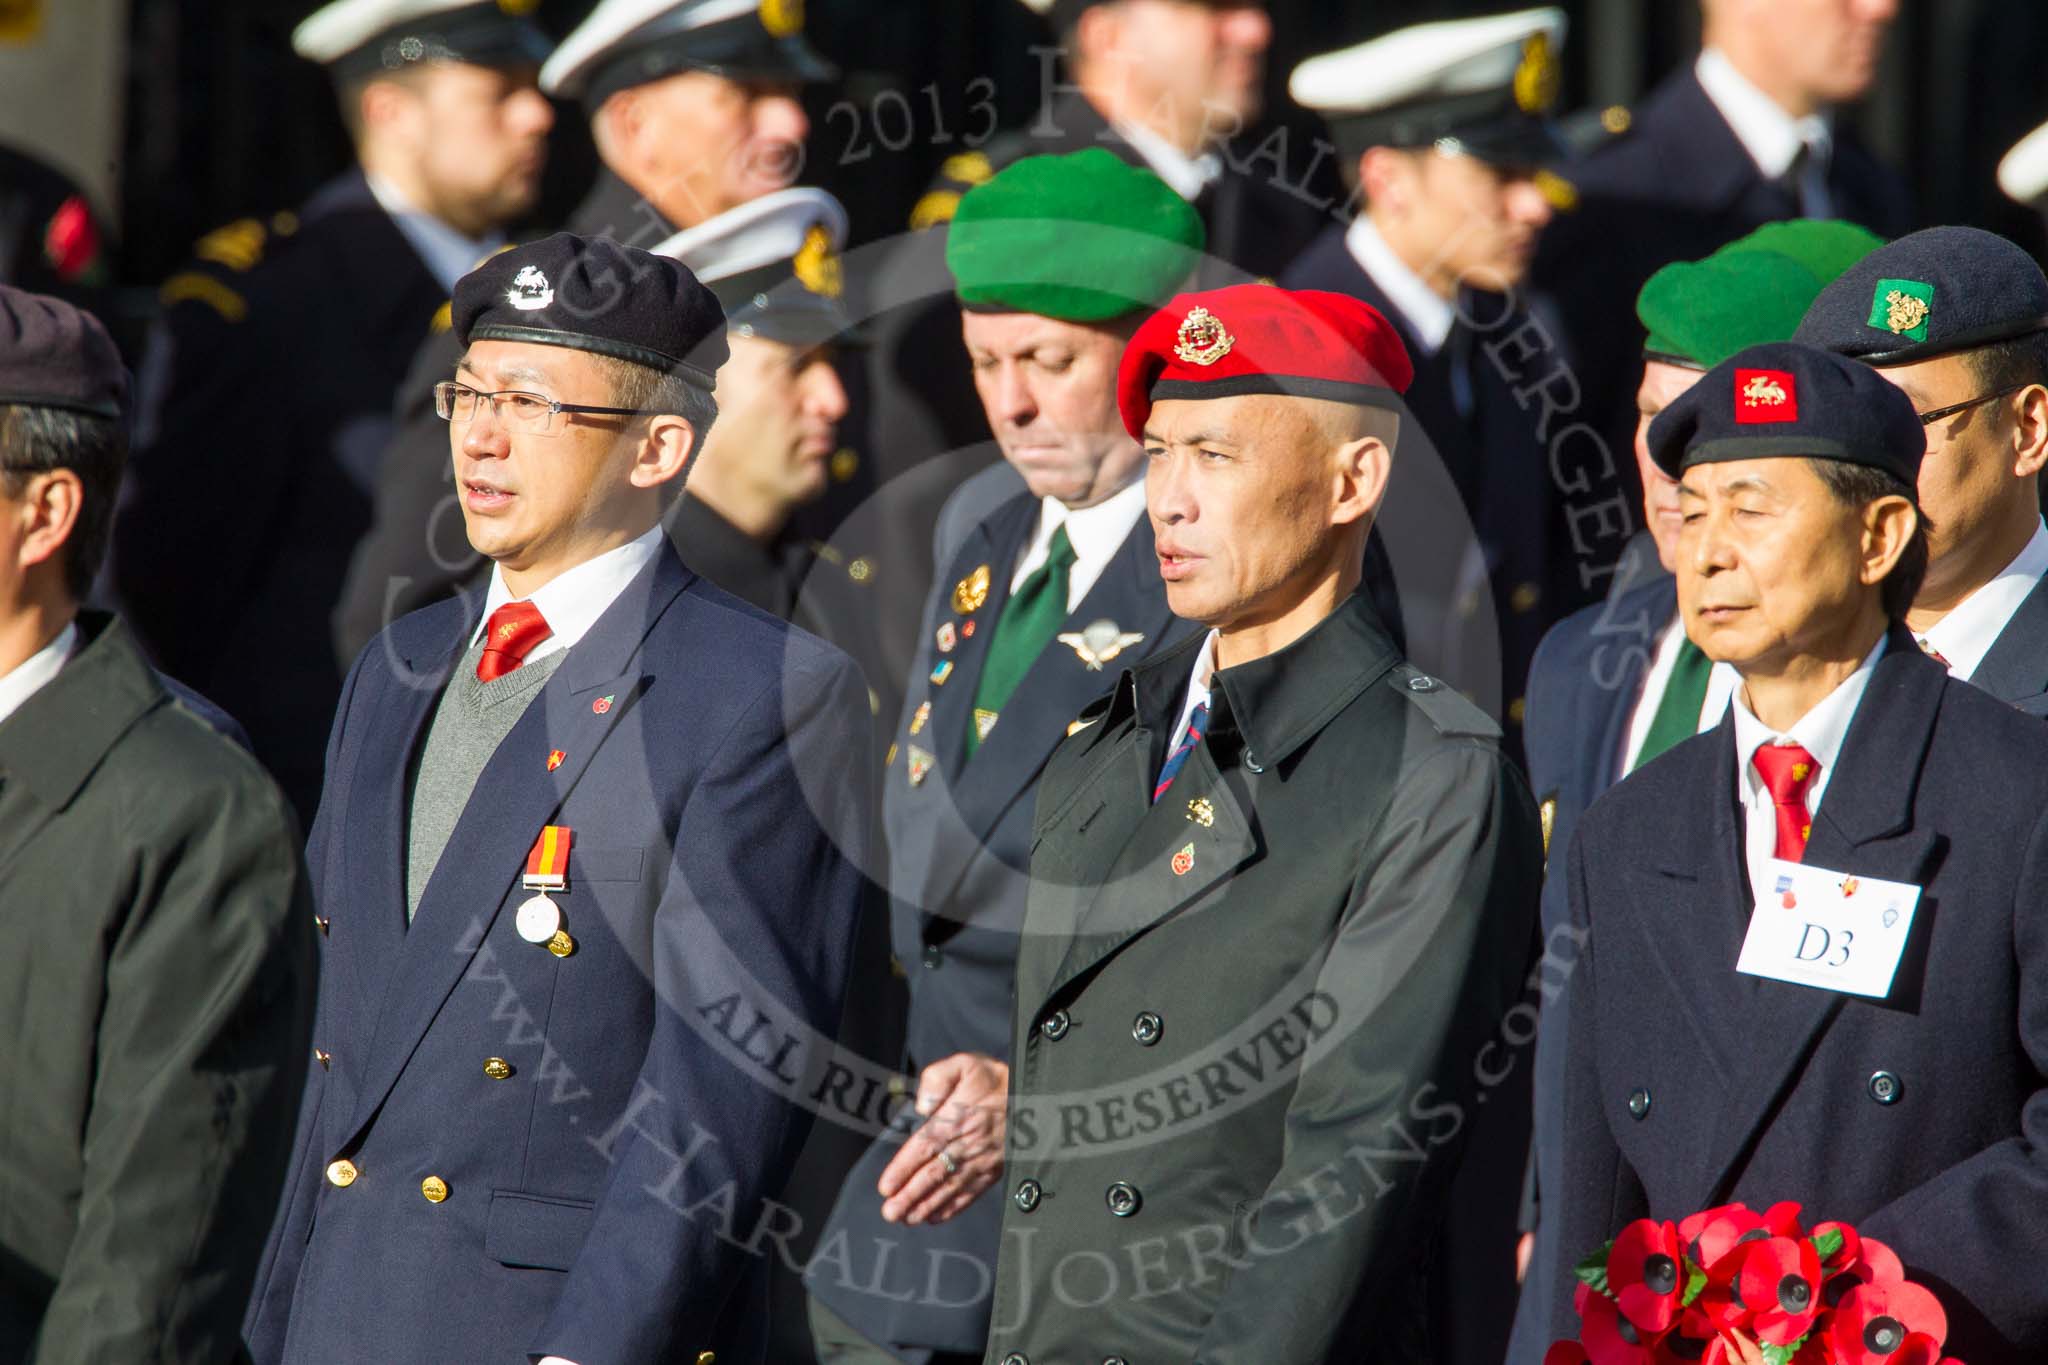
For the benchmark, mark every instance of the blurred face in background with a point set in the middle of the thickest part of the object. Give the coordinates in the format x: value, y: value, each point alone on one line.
x: 1195, y: 66
x: 1455, y: 219
x: 468, y: 143
x: 696, y: 144
x: 1804, y: 53
x: 1049, y: 388
x: 779, y: 409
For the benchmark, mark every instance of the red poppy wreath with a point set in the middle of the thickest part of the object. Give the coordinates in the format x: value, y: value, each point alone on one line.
x: 1731, y: 1287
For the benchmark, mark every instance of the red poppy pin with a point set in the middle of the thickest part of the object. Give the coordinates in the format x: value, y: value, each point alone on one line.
x: 601, y: 705
x: 1184, y: 861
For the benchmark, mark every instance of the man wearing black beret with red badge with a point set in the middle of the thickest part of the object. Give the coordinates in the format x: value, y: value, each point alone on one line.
x: 1815, y: 963
x: 1282, y: 887
x: 588, y: 859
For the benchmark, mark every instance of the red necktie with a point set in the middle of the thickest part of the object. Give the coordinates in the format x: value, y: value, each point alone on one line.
x: 1787, y: 771
x: 513, y: 630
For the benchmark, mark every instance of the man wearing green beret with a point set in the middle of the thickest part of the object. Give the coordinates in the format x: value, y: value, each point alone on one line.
x: 1047, y: 587
x: 1617, y: 683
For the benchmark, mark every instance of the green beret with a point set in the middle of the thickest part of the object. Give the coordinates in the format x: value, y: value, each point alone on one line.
x: 1753, y: 290
x: 1083, y: 237
x: 1826, y: 246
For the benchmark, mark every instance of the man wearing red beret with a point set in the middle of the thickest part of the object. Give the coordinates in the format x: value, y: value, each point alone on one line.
x: 1281, y: 882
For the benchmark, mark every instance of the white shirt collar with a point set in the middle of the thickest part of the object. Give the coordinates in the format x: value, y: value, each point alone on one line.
x: 1199, y: 680
x: 1771, y: 136
x: 447, y: 254
x: 34, y: 673
x: 1820, y: 732
x: 1187, y: 175
x: 1966, y: 634
x: 1428, y: 313
x: 1096, y: 533
x: 572, y: 600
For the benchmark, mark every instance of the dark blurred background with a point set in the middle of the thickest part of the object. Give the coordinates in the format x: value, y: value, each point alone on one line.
x: 222, y: 121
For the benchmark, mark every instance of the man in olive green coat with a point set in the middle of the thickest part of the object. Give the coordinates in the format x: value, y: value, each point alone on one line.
x: 157, y: 987
x: 1283, y: 886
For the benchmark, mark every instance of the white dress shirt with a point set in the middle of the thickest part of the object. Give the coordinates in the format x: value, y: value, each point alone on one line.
x: 447, y: 254
x: 1199, y: 681
x: 1966, y: 634
x: 1819, y: 732
x: 572, y: 600
x: 35, y: 672
x: 1721, y: 683
x: 1429, y: 314
x: 1096, y: 533
x: 1772, y: 137
x: 1187, y: 176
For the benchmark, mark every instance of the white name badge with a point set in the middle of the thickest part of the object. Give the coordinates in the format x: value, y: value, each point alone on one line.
x: 1833, y: 930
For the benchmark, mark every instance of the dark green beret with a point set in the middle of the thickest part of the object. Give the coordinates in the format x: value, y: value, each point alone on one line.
x: 1701, y: 312
x: 1753, y: 290
x: 1826, y: 246
x: 1083, y: 238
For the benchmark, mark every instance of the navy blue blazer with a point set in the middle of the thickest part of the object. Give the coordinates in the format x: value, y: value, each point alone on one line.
x: 959, y: 840
x: 599, y: 1193
x: 2016, y: 668
x: 1923, y: 1117
x: 1583, y: 686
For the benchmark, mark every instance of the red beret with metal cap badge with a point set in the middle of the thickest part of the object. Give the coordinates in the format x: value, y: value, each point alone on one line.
x: 1255, y: 338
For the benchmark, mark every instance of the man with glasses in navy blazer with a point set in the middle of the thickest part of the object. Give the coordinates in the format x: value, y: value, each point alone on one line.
x: 587, y: 860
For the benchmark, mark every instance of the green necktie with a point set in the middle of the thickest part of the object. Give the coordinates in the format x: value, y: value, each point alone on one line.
x: 1030, y: 619
x: 1678, y: 714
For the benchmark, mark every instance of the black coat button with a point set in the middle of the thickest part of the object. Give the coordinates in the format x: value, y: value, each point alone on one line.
x: 1147, y: 1028
x: 932, y: 956
x: 1639, y: 1103
x: 1123, y: 1199
x: 1028, y: 1195
x: 1016, y: 1358
x: 1885, y: 1087
x: 1055, y: 1026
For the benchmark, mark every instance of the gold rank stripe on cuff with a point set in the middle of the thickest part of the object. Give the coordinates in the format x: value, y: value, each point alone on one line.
x: 547, y: 866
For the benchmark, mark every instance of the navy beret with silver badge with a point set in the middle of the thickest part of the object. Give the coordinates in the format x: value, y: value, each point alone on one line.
x: 1929, y: 294
x: 1783, y: 398
x: 594, y: 294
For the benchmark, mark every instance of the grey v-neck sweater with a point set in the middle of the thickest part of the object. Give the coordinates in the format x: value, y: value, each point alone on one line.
x: 468, y: 726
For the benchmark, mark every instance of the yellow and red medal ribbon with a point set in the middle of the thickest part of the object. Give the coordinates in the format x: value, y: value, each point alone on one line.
x: 547, y: 866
